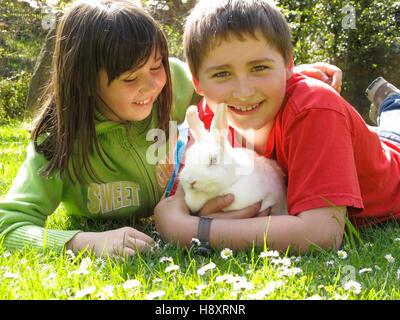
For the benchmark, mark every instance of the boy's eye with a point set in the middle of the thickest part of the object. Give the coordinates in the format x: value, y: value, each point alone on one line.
x: 260, y: 68
x: 221, y: 74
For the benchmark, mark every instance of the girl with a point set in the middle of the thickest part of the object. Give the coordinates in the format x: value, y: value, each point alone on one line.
x: 111, y: 84
x: 111, y: 88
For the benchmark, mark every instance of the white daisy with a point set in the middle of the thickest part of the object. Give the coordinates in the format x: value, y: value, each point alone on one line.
x: 86, y: 263
x: 106, y: 292
x: 6, y: 254
x: 272, y: 253
x: 195, y: 242
x: 201, y: 286
x: 205, y: 268
x: 364, y: 270
x: 342, y: 254
x: 226, y: 253
x: 352, y: 286
x: 130, y: 284
x: 389, y: 258
x: 289, y: 272
x: 189, y: 292
x: 329, y: 263
x: 10, y: 275
x: 165, y: 259
x: 283, y: 261
x: 85, y: 292
x: 172, y: 267
x: 314, y: 297
x: 155, y: 295
x: 242, y: 285
x: 224, y: 277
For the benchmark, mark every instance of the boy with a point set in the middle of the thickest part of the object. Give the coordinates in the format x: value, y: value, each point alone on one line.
x: 240, y: 53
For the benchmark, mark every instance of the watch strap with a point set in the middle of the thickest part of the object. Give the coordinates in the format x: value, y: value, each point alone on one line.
x: 203, y: 231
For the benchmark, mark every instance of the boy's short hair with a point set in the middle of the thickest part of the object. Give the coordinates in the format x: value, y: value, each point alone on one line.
x: 212, y: 21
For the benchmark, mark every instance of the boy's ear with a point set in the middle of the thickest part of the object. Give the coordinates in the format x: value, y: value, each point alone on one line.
x: 197, y: 86
x: 289, y: 68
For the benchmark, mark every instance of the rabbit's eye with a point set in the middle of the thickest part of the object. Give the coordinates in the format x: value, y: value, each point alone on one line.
x: 213, y: 160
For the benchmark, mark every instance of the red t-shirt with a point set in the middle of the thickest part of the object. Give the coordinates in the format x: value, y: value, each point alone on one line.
x: 329, y: 154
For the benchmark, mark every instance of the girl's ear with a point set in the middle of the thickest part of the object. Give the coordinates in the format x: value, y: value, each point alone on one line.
x: 197, y: 86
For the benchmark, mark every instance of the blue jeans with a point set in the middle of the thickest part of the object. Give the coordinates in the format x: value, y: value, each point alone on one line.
x: 389, y: 118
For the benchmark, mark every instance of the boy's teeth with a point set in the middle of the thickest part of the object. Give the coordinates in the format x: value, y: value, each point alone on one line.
x: 246, y: 108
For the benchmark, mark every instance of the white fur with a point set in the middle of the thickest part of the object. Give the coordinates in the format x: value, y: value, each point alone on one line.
x: 238, y: 171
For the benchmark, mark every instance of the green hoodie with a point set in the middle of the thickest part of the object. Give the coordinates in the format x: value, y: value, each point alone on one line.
x: 133, y: 188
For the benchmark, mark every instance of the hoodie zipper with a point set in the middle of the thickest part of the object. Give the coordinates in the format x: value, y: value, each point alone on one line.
x: 137, y: 155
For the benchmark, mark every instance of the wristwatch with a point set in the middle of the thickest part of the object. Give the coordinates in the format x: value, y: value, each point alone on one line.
x: 203, y: 233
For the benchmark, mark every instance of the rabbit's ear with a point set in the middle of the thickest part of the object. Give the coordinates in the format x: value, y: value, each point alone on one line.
x: 195, y: 125
x: 219, y: 125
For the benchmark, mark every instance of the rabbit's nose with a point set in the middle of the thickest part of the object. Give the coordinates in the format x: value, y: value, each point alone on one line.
x: 192, y: 184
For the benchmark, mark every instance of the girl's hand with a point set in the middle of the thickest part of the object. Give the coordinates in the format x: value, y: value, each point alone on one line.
x: 119, y: 242
x: 326, y: 72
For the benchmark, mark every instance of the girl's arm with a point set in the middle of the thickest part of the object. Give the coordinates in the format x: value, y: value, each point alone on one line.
x: 32, y: 198
x: 322, y: 227
x: 326, y: 72
x: 28, y: 203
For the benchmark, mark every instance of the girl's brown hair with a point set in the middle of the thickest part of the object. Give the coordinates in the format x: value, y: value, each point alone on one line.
x: 115, y: 35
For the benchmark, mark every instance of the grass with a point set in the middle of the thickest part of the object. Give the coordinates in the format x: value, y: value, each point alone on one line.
x: 364, y: 269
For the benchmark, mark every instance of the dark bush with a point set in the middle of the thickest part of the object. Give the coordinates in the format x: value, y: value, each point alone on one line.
x: 13, y: 93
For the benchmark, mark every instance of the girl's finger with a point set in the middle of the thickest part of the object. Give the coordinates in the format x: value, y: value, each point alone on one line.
x: 136, y: 245
x: 317, y: 74
x: 133, y: 233
x: 337, y: 84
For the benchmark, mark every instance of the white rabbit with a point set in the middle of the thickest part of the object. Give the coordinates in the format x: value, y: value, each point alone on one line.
x: 213, y: 168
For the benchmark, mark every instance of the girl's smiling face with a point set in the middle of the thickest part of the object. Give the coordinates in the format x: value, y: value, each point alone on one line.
x: 249, y: 75
x: 130, y: 97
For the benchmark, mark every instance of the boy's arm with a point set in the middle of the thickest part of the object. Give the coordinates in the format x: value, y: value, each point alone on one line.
x: 322, y: 227
x: 319, y: 227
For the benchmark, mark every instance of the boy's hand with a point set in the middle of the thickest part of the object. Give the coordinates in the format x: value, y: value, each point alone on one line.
x: 326, y: 72
x: 213, y: 209
x: 173, y: 220
x: 124, y: 241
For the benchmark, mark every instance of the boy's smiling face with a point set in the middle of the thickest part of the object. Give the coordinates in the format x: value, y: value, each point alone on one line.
x: 249, y: 75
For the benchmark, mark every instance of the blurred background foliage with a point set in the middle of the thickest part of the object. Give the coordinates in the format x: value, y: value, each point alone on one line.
x: 361, y: 37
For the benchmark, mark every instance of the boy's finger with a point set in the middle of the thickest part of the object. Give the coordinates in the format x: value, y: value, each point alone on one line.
x: 216, y: 205
x: 248, y: 212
